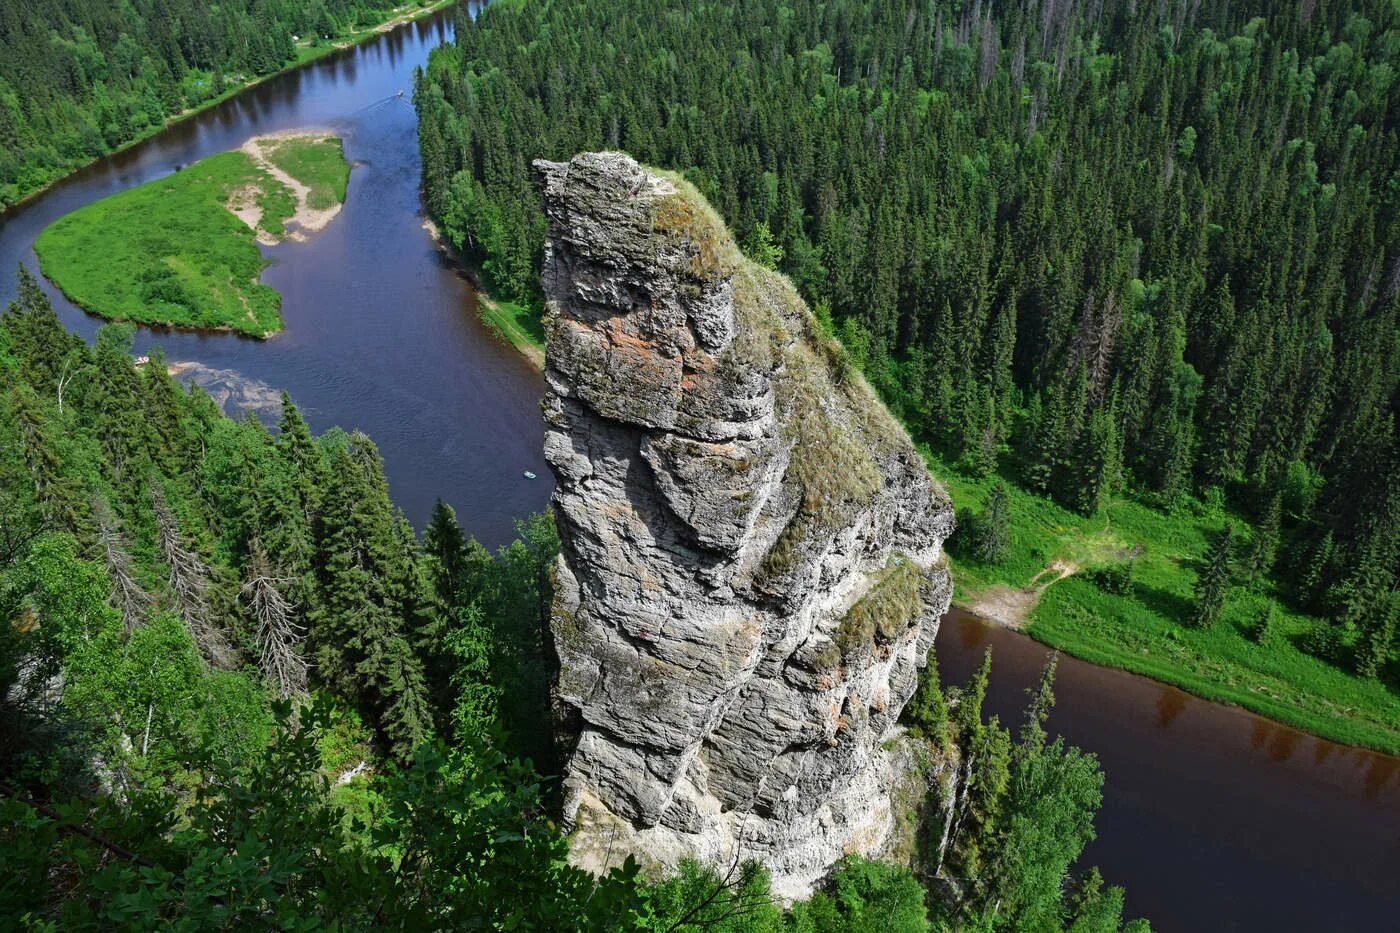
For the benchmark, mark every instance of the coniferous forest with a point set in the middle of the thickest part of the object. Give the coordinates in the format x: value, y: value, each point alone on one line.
x: 1143, y: 249
x: 1090, y: 252
x: 79, y: 78
x: 238, y: 690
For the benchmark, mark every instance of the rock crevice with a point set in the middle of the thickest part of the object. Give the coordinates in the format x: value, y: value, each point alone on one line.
x: 751, y: 573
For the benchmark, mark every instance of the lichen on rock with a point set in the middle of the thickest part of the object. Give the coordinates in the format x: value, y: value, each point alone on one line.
x: 751, y: 571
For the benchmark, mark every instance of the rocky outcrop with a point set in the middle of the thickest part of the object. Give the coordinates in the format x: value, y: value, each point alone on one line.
x: 752, y: 571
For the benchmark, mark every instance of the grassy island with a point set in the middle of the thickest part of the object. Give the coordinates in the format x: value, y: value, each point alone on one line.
x: 182, y: 250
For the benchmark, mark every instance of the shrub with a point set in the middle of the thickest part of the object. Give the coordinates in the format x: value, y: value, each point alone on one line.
x: 1116, y: 579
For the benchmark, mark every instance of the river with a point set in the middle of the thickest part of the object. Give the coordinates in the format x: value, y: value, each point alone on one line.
x: 381, y: 329
x: 1213, y: 818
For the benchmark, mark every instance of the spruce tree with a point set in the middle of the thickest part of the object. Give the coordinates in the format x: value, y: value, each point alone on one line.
x: 967, y: 716
x: 1264, y: 550
x: 40, y: 340
x: 116, y: 406
x: 1213, y: 584
x: 994, y: 526
x: 302, y: 456
x: 1047, y: 447
x: 172, y: 445
x: 1311, y: 576
x: 1375, y: 646
x: 927, y: 710
x: 1262, y: 628
x: 446, y: 545
x: 358, y: 636
x: 1098, y: 462
x: 57, y: 493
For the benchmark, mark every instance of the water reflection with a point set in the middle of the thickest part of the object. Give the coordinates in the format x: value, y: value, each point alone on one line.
x: 1170, y: 703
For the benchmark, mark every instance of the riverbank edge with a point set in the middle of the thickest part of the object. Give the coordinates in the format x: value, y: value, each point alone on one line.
x: 316, y: 53
x: 1110, y: 655
x: 500, y: 316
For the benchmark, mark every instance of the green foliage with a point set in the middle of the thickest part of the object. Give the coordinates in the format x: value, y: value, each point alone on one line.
x: 1115, y: 578
x: 1213, y: 583
x: 1022, y: 813
x: 79, y: 79
x: 172, y: 252
x: 317, y: 162
x: 457, y: 842
x: 1041, y: 229
x: 864, y: 896
x: 698, y: 897
x: 1146, y: 630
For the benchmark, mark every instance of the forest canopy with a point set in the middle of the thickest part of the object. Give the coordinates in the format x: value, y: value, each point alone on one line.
x: 1141, y: 247
x: 80, y: 78
x: 238, y: 690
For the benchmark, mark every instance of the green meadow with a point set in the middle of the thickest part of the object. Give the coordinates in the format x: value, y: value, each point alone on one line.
x: 173, y: 252
x: 317, y: 162
x: 1145, y: 630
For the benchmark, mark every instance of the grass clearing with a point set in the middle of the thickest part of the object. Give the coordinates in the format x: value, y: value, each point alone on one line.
x: 318, y: 162
x: 1145, y: 630
x: 182, y: 250
x: 518, y: 324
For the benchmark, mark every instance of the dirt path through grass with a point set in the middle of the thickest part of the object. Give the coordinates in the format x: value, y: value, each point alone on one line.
x: 1011, y: 607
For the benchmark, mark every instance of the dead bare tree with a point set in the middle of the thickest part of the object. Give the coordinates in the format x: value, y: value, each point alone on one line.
x: 279, y: 635
x: 190, y: 584
x: 990, y: 50
x: 734, y: 881
x: 126, y: 594
x: 65, y: 378
x: 1096, y: 340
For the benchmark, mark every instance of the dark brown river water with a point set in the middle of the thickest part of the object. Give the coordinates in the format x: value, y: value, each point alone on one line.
x: 1213, y: 819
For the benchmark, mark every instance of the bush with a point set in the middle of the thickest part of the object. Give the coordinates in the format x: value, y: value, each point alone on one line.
x: 1116, y: 579
x: 1261, y: 628
x: 1322, y: 641
x: 865, y: 895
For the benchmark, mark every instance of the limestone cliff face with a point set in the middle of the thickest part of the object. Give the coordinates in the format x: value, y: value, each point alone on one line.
x: 752, y: 571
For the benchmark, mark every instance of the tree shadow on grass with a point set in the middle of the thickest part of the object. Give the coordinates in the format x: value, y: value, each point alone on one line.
x: 1165, y: 603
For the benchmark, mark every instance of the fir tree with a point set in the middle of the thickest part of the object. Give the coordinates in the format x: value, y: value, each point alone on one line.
x: 446, y: 545
x: 1264, y: 550
x: 1213, y: 584
x: 994, y: 526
